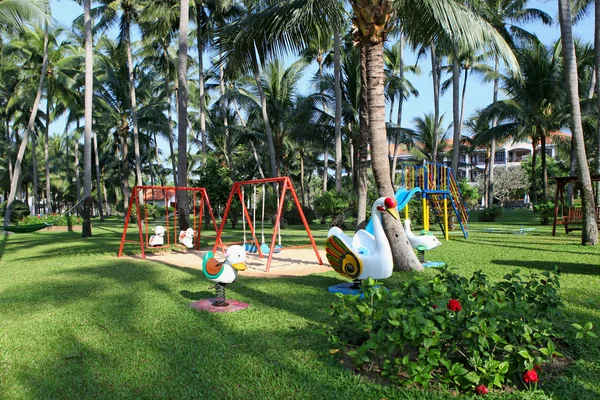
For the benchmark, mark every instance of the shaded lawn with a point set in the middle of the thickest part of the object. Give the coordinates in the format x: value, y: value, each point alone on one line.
x: 77, y: 322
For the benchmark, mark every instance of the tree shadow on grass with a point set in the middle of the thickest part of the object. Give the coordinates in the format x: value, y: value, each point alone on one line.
x: 548, y: 247
x: 564, y: 267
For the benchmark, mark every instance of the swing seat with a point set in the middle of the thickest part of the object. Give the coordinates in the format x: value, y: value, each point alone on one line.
x: 265, y: 249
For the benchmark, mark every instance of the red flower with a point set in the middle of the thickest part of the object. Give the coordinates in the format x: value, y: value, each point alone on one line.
x: 454, y: 305
x: 474, y: 296
x: 434, y: 306
x: 530, y: 376
x: 481, y: 390
x: 537, y: 367
x: 433, y: 333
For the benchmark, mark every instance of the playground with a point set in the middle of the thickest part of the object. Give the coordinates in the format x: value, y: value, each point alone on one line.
x: 78, y: 322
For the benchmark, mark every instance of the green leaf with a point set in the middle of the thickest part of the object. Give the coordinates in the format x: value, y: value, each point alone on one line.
x: 525, y: 354
x: 577, y: 326
x: 472, y: 377
x: 588, y: 326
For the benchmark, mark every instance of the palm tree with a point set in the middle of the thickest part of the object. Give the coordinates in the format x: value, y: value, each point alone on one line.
x: 28, y: 131
x: 425, y: 137
x: 125, y: 13
x: 503, y: 14
x: 398, y: 87
x: 534, y: 104
x: 182, y: 100
x: 589, y: 234
x: 14, y: 14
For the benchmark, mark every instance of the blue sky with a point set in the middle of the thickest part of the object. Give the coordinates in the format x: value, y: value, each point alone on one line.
x: 478, y: 94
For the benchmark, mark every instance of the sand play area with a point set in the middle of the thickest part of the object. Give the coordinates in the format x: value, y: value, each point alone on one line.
x: 288, y: 262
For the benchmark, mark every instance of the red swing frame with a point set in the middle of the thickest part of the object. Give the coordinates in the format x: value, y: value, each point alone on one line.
x: 197, y: 225
x: 286, y: 184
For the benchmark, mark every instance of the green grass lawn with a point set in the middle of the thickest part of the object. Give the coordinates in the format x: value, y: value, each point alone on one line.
x: 77, y: 322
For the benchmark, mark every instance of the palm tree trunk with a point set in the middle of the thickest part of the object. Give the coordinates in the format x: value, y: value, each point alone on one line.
x: 455, y: 110
x: 34, y: 173
x: 136, y: 135
x: 325, y: 167
x: 597, y: 76
x: 268, y: 131
x: 86, y: 229
x: 363, y: 142
x: 572, y: 171
x: 544, y: 166
x: 399, y: 117
x: 170, y: 120
x: 534, y: 144
x: 9, y: 146
x: 436, y: 100
x: 28, y: 131
x: 302, y: 178
x: 98, y: 188
x: 254, y: 152
x: 201, y: 80
x: 182, y: 99
x: 402, y: 253
x: 589, y: 235
x: 77, y: 177
x: 223, y: 103
x: 338, y: 110
x: 490, y: 182
x: 46, y: 155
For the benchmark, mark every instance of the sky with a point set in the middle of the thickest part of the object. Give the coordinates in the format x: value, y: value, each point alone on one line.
x: 478, y: 94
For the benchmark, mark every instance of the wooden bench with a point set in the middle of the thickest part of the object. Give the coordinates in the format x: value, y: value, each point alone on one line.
x: 575, y: 217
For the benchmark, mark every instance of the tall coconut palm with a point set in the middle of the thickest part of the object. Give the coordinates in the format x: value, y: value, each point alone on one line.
x: 28, y: 131
x: 398, y: 87
x: 86, y: 229
x: 182, y: 101
x: 589, y: 234
x: 14, y: 14
x: 158, y: 34
x: 504, y: 15
x: 125, y: 13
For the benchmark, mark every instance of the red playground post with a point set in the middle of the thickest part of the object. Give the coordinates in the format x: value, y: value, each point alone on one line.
x: 199, y: 199
x: 284, y: 184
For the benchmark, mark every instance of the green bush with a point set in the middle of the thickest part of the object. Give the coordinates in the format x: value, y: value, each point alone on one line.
x: 53, y: 219
x: 490, y: 214
x: 451, y: 331
x: 293, y: 216
x: 19, y: 210
x: 546, y: 211
x: 331, y: 204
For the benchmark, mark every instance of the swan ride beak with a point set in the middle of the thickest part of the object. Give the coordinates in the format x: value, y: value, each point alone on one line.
x: 239, y: 266
x: 393, y: 212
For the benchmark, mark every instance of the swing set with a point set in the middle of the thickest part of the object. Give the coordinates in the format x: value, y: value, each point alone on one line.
x: 284, y: 184
x: 199, y: 199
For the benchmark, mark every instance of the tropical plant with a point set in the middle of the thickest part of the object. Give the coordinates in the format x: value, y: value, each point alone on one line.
x: 590, y: 229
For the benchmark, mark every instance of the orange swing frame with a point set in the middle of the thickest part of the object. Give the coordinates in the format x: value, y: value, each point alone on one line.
x: 197, y: 224
x: 285, y: 185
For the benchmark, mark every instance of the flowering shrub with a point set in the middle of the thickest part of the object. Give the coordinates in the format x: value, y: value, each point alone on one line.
x: 454, y: 331
x: 51, y: 219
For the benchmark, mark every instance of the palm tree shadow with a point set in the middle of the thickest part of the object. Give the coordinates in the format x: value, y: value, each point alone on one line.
x: 564, y: 267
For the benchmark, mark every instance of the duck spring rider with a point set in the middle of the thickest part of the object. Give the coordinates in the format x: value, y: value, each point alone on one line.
x: 365, y: 255
x: 224, y: 273
x: 422, y: 242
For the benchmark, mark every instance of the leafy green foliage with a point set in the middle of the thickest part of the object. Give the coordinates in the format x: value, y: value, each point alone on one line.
x: 54, y: 219
x: 19, y: 210
x: 453, y: 331
x: 470, y: 193
x: 545, y: 210
x: 490, y: 214
x: 331, y: 203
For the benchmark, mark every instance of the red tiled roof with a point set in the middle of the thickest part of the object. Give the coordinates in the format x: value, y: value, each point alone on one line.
x: 157, y: 194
